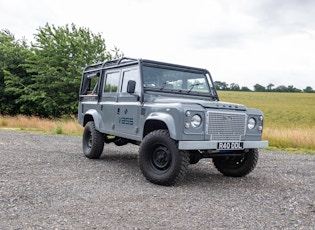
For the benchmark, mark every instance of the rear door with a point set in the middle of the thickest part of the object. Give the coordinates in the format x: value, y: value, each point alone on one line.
x: 109, y: 99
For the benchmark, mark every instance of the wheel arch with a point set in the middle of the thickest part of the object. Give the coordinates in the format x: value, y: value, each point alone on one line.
x: 92, y: 115
x: 157, y: 121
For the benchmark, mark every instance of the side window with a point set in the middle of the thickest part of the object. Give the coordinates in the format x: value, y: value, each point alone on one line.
x: 111, y: 82
x: 90, y: 84
x: 132, y: 74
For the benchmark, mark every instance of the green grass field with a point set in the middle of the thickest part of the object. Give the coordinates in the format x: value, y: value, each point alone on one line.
x: 289, y: 117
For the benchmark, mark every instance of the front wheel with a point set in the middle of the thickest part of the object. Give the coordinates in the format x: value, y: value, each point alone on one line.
x: 160, y: 160
x: 92, y: 141
x: 237, y: 166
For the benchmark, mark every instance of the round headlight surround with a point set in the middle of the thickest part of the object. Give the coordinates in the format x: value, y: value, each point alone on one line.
x: 196, y: 121
x: 251, y: 123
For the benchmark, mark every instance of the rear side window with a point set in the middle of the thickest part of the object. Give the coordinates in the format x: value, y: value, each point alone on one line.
x: 90, y: 84
x: 111, y: 82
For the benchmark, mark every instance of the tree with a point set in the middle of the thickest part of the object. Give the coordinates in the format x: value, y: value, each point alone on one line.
x: 292, y: 89
x: 221, y: 85
x: 234, y: 87
x: 259, y: 88
x: 269, y: 86
x: 281, y: 88
x: 308, y: 89
x: 13, y: 76
x: 245, y: 88
x: 58, y: 56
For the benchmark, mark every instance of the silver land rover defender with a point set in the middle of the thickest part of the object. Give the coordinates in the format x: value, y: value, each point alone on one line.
x: 172, y: 112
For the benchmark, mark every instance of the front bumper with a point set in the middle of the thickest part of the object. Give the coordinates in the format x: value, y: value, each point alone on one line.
x: 207, y: 145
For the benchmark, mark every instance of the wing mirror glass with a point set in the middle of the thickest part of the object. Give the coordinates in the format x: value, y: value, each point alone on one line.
x: 131, y: 87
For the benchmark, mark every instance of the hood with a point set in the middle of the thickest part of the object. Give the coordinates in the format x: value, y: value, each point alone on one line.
x: 203, y: 103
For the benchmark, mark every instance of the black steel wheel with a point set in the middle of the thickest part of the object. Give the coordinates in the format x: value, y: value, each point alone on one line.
x: 92, y: 141
x: 160, y: 160
x: 237, y: 166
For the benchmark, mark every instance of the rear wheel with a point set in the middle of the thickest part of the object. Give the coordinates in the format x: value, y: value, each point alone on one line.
x: 237, y: 166
x: 160, y: 160
x: 92, y: 141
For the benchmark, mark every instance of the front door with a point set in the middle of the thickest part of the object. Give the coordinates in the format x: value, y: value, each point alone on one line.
x: 128, y: 105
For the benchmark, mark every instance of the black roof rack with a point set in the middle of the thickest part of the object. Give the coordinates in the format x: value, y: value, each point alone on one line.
x: 99, y: 66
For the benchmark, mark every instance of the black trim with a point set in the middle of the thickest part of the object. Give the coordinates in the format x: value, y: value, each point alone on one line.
x: 172, y: 66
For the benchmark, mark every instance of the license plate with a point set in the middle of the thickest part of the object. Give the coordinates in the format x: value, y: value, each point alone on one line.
x: 230, y: 145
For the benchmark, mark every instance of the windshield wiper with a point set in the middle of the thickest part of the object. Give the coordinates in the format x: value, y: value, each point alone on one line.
x: 192, y: 86
x: 165, y: 84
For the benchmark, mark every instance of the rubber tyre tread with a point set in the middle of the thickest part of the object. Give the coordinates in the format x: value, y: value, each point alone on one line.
x: 179, y: 159
x: 243, y: 169
x: 97, y: 146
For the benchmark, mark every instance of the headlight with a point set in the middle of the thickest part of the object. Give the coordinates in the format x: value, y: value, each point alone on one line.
x: 196, y: 121
x: 251, y: 123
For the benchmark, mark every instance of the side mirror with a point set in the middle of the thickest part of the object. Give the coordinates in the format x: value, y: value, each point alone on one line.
x: 131, y: 87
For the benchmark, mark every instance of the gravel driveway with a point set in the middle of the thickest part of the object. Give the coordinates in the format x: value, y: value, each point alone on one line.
x: 47, y: 183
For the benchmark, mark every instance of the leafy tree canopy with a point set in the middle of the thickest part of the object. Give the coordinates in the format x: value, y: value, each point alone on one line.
x: 221, y: 85
x: 259, y: 88
x: 54, y: 65
x: 12, y: 75
x: 234, y: 87
x: 308, y: 89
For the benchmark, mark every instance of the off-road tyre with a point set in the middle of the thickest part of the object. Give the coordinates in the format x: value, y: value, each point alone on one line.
x: 161, y: 162
x: 237, y: 166
x: 92, y: 141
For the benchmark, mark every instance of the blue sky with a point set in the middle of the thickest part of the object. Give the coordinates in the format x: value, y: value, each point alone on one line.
x: 239, y: 41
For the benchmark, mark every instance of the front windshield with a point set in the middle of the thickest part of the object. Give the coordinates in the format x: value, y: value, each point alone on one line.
x: 175, y: 80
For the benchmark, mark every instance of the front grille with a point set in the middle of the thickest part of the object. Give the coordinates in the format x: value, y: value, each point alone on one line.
x: 225, y: 126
